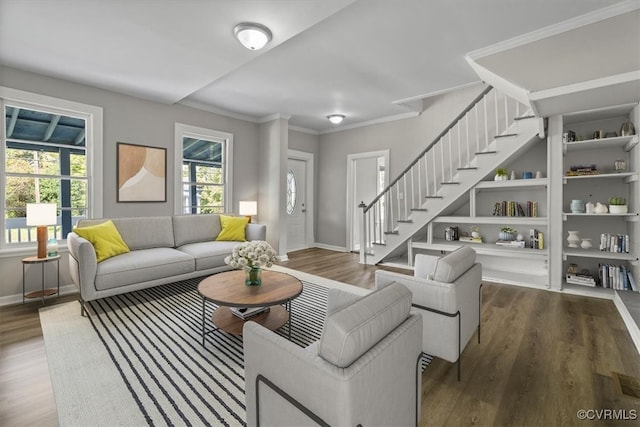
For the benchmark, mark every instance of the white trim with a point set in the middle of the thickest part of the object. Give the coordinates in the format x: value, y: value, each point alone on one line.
x: 402, y: 116
x: 330, y: 247
x: 304, y: 130
x: 272, y: 117
x: 94, y: 134
x: 631, y: 325
x: 181, y: 130
x: 631, y: 76
x: 555, y: 29
x: 505, y: 86
x: 351, y: 158
x: 308, y: 158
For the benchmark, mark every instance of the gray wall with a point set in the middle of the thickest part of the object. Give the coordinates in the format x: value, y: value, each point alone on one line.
x: 136, y: 121
x: 404, y: 138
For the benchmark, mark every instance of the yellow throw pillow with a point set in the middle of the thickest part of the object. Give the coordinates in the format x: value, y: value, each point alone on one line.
x: 105, y: 238
x: 232, y: 228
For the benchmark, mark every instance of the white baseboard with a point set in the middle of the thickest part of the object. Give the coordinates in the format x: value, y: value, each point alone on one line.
x: 17, y: 299
x: 632, y: 326
x: 330, y: 247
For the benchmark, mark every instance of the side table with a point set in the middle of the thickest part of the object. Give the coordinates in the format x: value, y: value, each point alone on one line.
x: 44, y: 292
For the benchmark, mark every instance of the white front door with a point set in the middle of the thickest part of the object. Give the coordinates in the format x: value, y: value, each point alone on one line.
x: 297, y: 214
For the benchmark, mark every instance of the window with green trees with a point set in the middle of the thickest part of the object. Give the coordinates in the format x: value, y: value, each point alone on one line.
x: 45, y: 161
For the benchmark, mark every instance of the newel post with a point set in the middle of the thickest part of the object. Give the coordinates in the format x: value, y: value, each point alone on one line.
x: 363, y: 236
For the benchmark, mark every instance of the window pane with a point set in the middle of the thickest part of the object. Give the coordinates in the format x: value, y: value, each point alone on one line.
x: 31, y: 125
x: 33, y: 161
x: 78, y: 164
x: 208, y: 175
x: 78, y: 194
x: 201, y: 149
x: 291, y: 192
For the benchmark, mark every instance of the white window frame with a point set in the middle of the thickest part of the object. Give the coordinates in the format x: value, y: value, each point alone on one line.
x: 93, y: 117
x: 182, y: 130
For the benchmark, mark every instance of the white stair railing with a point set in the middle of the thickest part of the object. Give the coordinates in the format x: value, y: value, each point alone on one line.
x: 469, y: 135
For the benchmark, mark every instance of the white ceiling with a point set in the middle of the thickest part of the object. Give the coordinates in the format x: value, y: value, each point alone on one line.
x: 326, y: 56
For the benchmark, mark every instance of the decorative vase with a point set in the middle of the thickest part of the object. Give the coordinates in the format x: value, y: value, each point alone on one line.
x: 577, y: 206
x: 475, y: 234
x: 627, y: 129
x: 573, y: 239
x: 505, y: 235
x: 253, y: 277
x: 513, y: 175
x: 500, y: 178
x: 586, y: 244
x: 590, y: 207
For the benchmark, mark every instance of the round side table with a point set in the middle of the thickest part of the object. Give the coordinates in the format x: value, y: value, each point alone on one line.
x: 44, y: 292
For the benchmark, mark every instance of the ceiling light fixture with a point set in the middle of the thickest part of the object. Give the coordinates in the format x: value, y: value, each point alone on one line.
x: 336, y: 118
x: 252, y: 36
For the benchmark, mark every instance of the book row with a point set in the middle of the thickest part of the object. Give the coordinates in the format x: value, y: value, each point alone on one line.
x: 614, y: 243
x: 511, y: 208
x: 616, y: 277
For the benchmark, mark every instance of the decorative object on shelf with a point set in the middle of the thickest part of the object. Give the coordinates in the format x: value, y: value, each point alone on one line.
x: 620, y: 165
x: 507, y: 233
x: 513, y: 175
x: 451, y: 233
x: 573, y: 269
x: 475, y: 232
x: 586, y: 244
x: 589, y: 207
x: 618, y: 205
x: 519, y: 237
x: 581, y: 170
x: 252, y: 256
x: 539, y: 175
x: 569, y: 136
x: 501, y: 174
x: 52, y: 247
x: 527, y: 175
x: 627, y: 129
x: 577, y: 206
x: 599, y: 134
x: 574, y: 239
x: 600, y: 208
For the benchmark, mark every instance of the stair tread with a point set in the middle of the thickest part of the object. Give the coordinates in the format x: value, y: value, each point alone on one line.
x: 419, y: 209
x: 530, y: 116
x: 405, y: 221
x: 433, y: 197
x: 468, y: 168
x: 450, y: 183
x: 506, y: 135
x: 486, y: 152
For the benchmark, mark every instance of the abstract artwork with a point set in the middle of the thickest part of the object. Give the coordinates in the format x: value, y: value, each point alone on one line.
x: 142, y: 173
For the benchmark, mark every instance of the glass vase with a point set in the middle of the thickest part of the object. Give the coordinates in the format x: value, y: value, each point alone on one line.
x: 253, y: 276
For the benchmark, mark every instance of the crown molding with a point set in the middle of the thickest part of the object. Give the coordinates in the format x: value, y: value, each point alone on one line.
x: 275, y: 116
x: 559, y: 28
x: 221, y: 112
x: 304, y: 130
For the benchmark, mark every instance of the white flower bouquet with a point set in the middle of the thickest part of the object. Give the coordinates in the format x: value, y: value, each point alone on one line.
x: 253, y: 254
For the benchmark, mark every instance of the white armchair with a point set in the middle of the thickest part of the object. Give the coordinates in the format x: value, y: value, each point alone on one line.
x: 447, y: 292
x: 363, y: 371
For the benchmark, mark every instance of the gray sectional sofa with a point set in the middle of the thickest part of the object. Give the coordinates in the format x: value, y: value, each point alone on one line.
x: 163, y: 249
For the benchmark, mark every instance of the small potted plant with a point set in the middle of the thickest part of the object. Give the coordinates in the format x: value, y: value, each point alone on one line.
x: 502, y: 174
x: 507, y: 233
x: 618, y: 205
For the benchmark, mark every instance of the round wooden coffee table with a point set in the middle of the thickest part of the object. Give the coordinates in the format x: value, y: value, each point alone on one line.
x: 228, y: 290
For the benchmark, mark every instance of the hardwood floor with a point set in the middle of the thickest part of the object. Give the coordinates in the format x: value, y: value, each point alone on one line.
x: 543, y: 357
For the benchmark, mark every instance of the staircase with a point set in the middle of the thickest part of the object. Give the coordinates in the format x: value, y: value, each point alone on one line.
x: 489, y: 132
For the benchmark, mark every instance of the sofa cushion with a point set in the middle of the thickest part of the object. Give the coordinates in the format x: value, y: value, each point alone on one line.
x: 233, y: 228
x: 195, y: 228
x: 353, y: 330
x: 208, y: 254
x: 142, y: 266
x: 450, y: 267
x: 105, y: 238
x: 141, y: 232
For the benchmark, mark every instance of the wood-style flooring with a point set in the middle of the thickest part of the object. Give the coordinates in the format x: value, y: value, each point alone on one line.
x: 543, y: 357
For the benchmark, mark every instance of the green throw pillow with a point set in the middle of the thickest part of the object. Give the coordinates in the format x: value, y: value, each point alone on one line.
x: 105, y: 238
x: 232, y: 228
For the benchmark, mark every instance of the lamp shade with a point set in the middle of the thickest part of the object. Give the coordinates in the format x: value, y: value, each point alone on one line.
x: 248, y: 207
x: 39, y: 214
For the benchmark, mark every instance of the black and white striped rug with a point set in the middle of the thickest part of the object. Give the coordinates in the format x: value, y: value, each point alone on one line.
x: 154, y: 338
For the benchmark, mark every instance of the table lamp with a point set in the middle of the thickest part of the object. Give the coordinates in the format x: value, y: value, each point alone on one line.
x: 41, y: 215
x: 248, y: 208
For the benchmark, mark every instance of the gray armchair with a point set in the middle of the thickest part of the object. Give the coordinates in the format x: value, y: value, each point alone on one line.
x: 447, y: 292
x: 363, y: 371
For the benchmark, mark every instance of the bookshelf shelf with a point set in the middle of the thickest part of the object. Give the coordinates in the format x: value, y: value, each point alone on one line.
x: 499, y: 220
x: 594, y: 253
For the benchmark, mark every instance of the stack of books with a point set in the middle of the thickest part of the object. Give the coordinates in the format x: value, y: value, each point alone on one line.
x: 246, y: 312
x: 581, y: 279
x: 581, y: 170
x: 536, y: 239
x: 470, y: 239
x: 512, y: 243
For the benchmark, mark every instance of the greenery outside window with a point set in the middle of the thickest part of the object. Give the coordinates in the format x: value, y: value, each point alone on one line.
x: 45, y: 158
x: 204, y: 170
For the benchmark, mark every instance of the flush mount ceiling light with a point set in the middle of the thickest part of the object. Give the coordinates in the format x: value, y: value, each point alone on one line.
x: 252, y: 36
x: 336, y: 118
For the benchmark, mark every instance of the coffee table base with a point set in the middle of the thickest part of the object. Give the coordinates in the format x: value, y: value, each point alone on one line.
x: 274, y: 318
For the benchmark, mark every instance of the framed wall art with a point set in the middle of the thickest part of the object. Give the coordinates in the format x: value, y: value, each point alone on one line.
x: 142, y: 173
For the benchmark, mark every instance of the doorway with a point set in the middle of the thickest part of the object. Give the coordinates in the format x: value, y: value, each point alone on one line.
x: 299, y: 205
x: 367, y: 176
